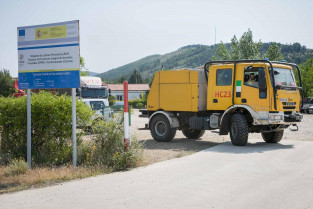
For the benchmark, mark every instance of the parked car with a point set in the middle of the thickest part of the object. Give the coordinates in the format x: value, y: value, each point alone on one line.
x: 101, y: 106
x: 119, y: 103
x: 307, y: 104
x: 311, y: 109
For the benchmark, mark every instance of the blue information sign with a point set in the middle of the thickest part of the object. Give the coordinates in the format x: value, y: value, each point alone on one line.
x: 48, y: 56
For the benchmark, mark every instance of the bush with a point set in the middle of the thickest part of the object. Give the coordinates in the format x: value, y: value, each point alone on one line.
x: 15, y: 167
x: 108, y: 149
x: 140, y: 101
x: 140, y: 105
x: 111, y: 100
x: 6, y: 83
x: 51, y: 127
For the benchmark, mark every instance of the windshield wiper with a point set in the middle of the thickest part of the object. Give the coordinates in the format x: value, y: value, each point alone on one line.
x: 283, y: 87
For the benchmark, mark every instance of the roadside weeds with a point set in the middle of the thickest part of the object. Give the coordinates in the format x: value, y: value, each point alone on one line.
x: 39, y: 177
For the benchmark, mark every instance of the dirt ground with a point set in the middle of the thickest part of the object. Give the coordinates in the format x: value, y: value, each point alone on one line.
x: 180, y: 146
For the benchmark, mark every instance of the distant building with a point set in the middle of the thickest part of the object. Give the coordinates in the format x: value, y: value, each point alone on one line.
x: 134, y: 90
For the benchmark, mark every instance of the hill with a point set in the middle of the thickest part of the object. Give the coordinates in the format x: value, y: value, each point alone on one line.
x: 194, y: 56
x: 93, y: 73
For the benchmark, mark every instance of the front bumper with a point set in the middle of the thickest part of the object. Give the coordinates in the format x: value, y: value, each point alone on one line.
x: 282, y: 118
x: 293, y: 117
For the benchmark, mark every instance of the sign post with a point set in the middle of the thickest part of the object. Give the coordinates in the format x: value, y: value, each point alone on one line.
x: 74, y: 127
x: 126, y: 112
x: 48, y: 58
x: 1, y: 130
x: 29, y: 130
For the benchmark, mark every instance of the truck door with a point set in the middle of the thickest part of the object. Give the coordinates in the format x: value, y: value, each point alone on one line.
x: 252, y: 87
x: 220, y: 87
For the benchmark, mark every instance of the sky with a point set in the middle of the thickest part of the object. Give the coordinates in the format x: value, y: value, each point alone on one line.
x: 116, y: 32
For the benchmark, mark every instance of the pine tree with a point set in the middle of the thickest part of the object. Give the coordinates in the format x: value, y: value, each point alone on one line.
x: 135, y: 77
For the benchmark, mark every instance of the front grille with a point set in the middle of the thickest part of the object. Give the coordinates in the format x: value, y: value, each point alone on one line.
x: 288, y: 108
x: 289, y: 103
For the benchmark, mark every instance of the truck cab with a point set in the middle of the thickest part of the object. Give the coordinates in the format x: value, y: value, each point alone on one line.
x: 237, y: 97
x: 94, y: 94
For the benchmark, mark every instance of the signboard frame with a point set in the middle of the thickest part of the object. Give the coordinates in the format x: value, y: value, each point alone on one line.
x: 49, y: 56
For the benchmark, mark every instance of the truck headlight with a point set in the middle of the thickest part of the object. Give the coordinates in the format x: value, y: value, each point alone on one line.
x: 275, y: 117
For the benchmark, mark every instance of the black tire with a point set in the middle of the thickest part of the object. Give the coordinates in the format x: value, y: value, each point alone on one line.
x: 161, y: 130
x: 239, y: 130
x: 193, y: 133
x: 273, y: 137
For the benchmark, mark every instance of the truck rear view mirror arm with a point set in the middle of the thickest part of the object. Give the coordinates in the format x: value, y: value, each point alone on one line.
x: 262, y: 78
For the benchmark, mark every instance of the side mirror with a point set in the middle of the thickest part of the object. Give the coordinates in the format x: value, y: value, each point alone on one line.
x: 276, y: 72
x: 262, y: 78
x: 248, y: 67
x: 78, y: 91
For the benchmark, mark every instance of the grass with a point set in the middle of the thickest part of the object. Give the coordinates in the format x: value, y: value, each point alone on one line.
x: 46, y: 176
x: 38, y: 177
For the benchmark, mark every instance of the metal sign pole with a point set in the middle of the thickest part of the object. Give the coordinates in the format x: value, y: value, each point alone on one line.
x: 29, y: 130
x: 74, y: 127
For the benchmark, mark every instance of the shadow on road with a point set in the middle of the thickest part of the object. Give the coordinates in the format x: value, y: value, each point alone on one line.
x: 258, y: 147
x: 178, y: 144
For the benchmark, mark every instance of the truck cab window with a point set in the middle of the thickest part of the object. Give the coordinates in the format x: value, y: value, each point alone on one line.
x: 96, y: 105
x: 224, y: 77
x: 251, y: 77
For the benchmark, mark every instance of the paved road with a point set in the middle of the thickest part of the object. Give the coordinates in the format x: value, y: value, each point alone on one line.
x: 259, y: 175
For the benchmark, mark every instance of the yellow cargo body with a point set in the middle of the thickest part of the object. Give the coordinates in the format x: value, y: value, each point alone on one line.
x: 177, y: 91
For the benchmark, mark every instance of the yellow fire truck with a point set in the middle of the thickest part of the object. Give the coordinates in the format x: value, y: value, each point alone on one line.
x: 237, y: 97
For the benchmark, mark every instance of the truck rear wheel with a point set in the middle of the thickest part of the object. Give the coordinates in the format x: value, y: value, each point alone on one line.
x: 273, y: 137
x: 239, y: 130
x: 161, y: 130
x: 193, y: 133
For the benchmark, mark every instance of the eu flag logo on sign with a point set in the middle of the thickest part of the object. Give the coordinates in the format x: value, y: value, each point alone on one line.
x: 21, y: 33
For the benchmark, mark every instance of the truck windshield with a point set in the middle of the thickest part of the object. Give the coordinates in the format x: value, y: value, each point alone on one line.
x: 284, y: 77
x: 96, y: 105
x: 94, y: 93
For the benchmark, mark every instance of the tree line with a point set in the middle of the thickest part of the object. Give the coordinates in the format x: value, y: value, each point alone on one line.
x: 193, y: 56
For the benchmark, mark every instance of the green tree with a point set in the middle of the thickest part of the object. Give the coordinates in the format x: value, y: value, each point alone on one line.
x: 307, y: 77
x: 245, y: 48
x: 83, y: 70
x: 222, y: 52
x: 135, y: 77
x: 274, y: 53
x: 122, y: 79
x: 6, y: 83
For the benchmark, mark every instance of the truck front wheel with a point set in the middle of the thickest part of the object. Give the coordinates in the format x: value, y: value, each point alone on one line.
x: 161, y: 130
x: 239, y: 130
x: 273, y: 137
x: 193, y: 133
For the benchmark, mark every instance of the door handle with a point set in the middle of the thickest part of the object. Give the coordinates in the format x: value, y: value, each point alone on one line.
x: 215, y: 101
